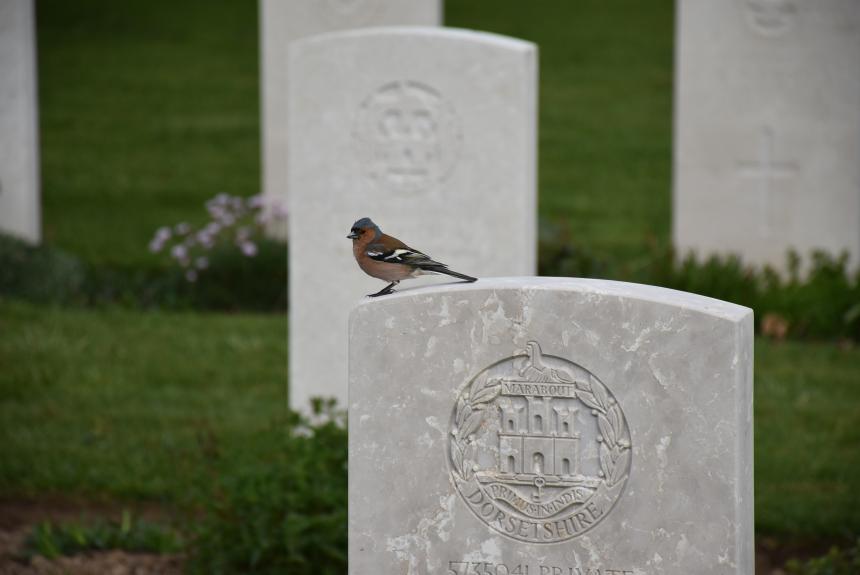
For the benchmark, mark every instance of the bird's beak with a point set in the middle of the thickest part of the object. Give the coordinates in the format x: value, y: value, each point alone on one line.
x: 352, y: 236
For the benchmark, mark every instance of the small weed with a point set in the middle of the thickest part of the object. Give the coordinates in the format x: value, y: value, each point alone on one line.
x: 817, y: 298
x: 52, y: 540
x: 233, y: 282
x: 284, y: 514
x: 836, y: 562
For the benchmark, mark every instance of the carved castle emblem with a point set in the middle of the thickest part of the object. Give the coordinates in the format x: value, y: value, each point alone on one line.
x: 539, y: 448
x: 407, y: 136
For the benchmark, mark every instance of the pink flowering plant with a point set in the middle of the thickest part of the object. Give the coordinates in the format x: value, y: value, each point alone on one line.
x: 234, y: 221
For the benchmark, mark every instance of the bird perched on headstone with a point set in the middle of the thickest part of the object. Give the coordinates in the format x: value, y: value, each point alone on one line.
x: 387, y: 258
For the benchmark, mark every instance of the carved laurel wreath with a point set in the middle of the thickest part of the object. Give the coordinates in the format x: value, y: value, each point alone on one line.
x: 614, y: 439
x: 470, y: 415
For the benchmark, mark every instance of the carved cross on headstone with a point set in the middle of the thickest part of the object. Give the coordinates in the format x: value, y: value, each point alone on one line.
x: 766, y: 170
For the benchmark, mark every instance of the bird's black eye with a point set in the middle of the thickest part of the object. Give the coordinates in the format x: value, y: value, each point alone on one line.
x: 354, y: 230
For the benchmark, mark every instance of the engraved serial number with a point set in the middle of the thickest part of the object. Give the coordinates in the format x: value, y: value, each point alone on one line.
x: 483, y: 568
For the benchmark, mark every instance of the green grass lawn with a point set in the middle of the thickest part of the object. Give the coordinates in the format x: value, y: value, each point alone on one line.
x: 147, y: 108
x: 131, y: 404
x: 150, y: 107
x: 807, y: 433
x: 605, y: 112
x: 125, y: 404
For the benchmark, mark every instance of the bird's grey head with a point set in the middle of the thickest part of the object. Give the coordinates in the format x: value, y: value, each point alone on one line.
x: 363, y: 226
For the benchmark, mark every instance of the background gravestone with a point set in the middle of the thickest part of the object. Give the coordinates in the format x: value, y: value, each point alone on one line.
x: 548, y: 426
x: 284, y: 21
x: 20, y: 212
x: 430, y: 132
x: 767, y: 127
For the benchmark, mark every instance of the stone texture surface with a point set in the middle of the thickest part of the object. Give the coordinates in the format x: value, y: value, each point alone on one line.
x: 430, y: 132
x: 20, y: 210
x: 284, y: 21
x: 767, y: 127
x: 655, y: 387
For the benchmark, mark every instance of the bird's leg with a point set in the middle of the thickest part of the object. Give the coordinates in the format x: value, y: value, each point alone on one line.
x: 385, y: 291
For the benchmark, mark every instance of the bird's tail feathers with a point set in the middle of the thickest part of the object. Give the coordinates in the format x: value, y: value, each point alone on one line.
x: 443, y: 269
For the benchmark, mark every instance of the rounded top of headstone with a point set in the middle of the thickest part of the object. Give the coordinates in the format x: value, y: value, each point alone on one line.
x: 592, y: 288
x: 418, y: 32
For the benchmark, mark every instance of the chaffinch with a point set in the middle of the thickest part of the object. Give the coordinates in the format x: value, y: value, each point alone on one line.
x: 387, y: 258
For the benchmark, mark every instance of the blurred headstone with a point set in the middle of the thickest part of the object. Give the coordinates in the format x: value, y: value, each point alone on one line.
x: 20, y: 209
x: 284, y: 21
x: 429, y: 131
x: 550, y: 426
x: 767, y: 128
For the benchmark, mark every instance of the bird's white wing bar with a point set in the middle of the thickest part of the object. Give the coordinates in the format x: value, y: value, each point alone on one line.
x: 399, y: 256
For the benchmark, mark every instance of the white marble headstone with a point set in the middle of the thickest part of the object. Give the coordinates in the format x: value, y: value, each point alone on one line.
x: 428, y: 131
x: 20, y: 209
x: 767, y: 128
x: 550, y: 426
x: 284, y: 21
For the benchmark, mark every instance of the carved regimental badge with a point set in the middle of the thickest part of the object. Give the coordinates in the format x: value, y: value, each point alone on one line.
x: 770, y: 17
x: 407, y: 136
x: 539, y: 448
x: 347, y: 13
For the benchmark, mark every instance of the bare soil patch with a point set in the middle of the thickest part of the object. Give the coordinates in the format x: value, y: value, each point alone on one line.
x: 19, y: 516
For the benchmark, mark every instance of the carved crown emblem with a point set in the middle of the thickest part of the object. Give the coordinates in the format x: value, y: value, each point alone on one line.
x: 407, y: 136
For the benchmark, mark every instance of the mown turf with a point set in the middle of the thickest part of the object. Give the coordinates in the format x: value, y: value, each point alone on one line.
x: 605, y: 112
x: 147, y: 108
x: 127, y: 404
x: 122, y: 403
x: 807, y: 433
x: 150, y: 107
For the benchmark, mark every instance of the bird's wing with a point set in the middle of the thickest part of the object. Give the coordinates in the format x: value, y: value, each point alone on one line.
x: 400, y: 255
